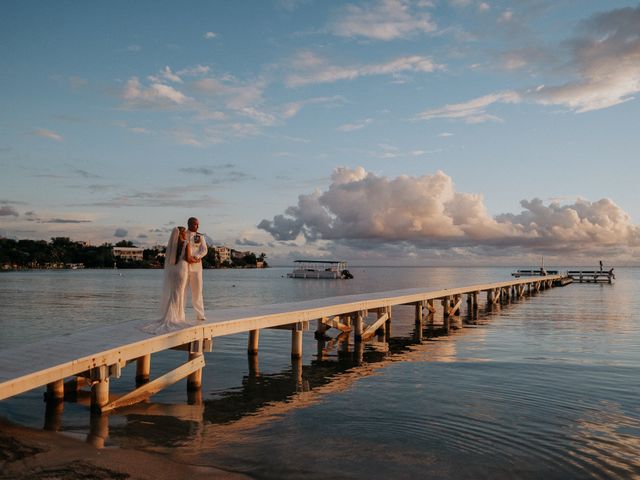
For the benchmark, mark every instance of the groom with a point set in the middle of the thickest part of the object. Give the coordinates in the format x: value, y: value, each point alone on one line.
x: 198, y: 250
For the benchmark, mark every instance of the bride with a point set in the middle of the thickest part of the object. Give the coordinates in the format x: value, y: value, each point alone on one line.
x: 176, y: 274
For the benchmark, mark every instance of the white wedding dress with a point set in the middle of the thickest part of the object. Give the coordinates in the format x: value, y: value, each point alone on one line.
x: 176, y: 274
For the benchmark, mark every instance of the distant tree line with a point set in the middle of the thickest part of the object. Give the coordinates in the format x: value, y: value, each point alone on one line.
x: 61, y: 252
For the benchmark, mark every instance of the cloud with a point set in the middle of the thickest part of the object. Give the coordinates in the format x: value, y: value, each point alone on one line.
x: 505, y: 16
x: 77, y: 82
x: 194, y: 71
x: 291, y: 5
x: 236, y: 95
x: 248, y: 243
x: 603, y: 58
x: 383, y: 20
x: 312, y: 69
x: 133, y: 48
x: 176, y: 196
x: 64, y: 220
x: 85, y: 173
x: 199, y: 170
x: 167, y: 75
x: 362, y: 209
x: 8, y: 211
x: 606, y: 58
x: 389, y: 151
x: 156, y: 95
x: 291, y: 109
x: 350, y: 127
x: 44, y: 133
x: 210, y: 35
x: 473, y: 111
x: 120, y: 233
x: 445, y: 134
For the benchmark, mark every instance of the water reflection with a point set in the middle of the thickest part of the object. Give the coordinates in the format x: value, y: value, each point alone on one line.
x: 540, y: 386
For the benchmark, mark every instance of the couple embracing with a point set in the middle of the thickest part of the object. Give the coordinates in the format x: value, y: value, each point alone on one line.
x: 182, y: 266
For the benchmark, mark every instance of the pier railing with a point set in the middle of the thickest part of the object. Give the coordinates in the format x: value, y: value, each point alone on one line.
x: 94, y: 357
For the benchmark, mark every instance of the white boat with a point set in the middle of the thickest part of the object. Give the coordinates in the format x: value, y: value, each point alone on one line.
x: 326, y: 269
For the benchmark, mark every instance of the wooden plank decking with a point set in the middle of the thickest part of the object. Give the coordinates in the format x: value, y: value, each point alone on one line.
x: 111, y: 347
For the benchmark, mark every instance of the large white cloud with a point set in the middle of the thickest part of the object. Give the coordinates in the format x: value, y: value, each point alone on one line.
x: 426, y: 211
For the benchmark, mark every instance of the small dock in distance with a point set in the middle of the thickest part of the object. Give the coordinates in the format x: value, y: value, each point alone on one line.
x: 591, y: 276
x: 94, y: 358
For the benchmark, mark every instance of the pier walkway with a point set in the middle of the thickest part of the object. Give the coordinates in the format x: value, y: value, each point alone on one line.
x: 95, y: 357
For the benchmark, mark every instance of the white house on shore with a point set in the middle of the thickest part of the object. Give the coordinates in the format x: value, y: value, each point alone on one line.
x: 128, y: 253
x: 224, y: 254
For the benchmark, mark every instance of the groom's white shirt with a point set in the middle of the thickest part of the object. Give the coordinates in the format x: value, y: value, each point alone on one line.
x: 198, y: 251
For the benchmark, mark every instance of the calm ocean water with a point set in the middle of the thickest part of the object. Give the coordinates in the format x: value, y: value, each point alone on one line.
x: 547, y: 386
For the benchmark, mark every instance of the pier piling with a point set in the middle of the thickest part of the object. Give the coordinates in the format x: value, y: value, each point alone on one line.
x: 143, y: 369
x: 55, y: 391
x: 296, y: 342
x: 252, y: 346
x: 194, y: 380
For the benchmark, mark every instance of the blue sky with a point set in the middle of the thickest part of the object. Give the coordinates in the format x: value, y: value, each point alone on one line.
x: 428, y: 132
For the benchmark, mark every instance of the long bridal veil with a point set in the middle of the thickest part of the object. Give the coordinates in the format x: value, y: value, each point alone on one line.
x: 174, y: 284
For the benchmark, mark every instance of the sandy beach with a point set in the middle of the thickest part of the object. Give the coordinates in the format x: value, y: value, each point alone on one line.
x: 28, y: 453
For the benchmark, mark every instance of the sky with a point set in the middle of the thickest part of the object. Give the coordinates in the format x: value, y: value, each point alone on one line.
x: 386, y: 132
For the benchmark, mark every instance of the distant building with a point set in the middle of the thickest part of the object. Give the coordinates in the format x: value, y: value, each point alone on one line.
x: 128, y: 253
x: 74, y: 266
x: 235, y: 254
x: 223, y: 253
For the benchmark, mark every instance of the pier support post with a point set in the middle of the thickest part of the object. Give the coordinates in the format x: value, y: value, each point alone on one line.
x: 194, y: 397
x: 99, y: 387
x: 53, y: 415
x: 387, y: 329
x: 98, y: 430
x: 358, y: 327
x: 194, y: 380
x: 446, y: 304
x: 296, y: 343
x: 418, y: 316
x: 382, y: 329
x: 358, y: 353
x: 252, y: 345
x: 100, y: 394
x: 55, y: 391
x: 296, y: 367
x: 143, y: 369
x: 321, y: 328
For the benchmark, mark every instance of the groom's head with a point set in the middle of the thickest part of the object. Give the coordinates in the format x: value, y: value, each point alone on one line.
x: 193, y: 224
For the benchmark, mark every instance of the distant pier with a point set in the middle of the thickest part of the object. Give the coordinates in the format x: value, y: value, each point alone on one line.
x: 94, y: 358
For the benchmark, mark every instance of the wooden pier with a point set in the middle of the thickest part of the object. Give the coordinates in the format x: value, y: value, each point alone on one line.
x: 95, y: 357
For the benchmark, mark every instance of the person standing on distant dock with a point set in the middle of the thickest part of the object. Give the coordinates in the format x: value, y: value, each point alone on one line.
x: 199, y: 249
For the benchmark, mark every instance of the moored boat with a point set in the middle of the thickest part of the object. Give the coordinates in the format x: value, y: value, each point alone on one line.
x: 320, y: 269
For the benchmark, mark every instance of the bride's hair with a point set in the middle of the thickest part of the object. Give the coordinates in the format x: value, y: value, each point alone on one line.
x: 181, y: 231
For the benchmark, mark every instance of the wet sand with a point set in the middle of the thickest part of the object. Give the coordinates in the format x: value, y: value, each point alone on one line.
x: 28, y: 454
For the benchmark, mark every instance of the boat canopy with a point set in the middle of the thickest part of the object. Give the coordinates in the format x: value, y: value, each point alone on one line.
x: 319, y: 261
